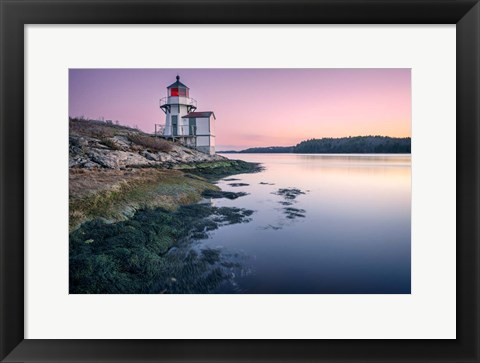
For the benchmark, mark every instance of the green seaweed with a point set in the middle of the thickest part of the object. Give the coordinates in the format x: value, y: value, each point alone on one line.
x: 140, y: 255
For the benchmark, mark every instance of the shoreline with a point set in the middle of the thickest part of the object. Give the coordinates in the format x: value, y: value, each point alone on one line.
x: 115, y: 195
x: 133, y: 199
x: 125, y: 237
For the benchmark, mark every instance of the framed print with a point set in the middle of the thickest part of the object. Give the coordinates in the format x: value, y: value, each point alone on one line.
x: 240, y: 181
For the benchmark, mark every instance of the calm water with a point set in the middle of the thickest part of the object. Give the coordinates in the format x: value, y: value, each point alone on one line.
x: 348, y: 233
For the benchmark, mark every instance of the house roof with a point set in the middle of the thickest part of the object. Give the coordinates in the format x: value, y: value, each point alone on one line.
x: 177, y: 84
x: 200, y: 114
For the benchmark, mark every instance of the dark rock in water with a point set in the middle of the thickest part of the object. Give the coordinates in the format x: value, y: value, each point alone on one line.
x: 226, y: 169
x: 216, y: 194
x: 290, y: 209
x: 232, y: 215
x: 239, y: 184
x: 265, y: 183
x: 293, y: 213
x: 289, y: 193
x: 271, y: 226
x: 231, y: 179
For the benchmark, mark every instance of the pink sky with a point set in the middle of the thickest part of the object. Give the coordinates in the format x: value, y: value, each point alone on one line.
x: 255, y: 107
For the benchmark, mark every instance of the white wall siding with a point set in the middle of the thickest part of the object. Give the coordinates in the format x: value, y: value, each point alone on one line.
x: 179, y: 111
x: 212, y: 126
x: 203, y: 141
x: 205, y: 138
x: 203, y: 127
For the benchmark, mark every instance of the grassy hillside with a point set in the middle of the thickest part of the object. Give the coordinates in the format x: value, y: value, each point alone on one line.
x: 115, y: 195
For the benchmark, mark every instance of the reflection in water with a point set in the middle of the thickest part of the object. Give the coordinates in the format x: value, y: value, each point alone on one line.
x: 322, y: 224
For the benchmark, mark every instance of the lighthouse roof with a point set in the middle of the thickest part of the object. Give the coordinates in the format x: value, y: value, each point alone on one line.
x: 199, y: 114
x: 177, y: 84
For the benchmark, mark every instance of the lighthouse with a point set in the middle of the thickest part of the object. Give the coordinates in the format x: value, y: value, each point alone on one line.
x: 194, y: 129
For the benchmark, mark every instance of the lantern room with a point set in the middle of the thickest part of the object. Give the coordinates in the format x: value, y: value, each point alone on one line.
x: 177, y: 89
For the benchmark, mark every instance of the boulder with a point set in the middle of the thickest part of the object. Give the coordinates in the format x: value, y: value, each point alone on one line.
x: 150, y: 156
x: 122, y: 142
x: 117, y: 158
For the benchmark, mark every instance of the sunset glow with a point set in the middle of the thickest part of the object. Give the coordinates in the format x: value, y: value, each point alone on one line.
x: 255, y: 107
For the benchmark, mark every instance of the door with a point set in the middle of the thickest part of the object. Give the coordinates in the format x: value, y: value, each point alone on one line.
x: 192, y: 123
x: 175, y: 125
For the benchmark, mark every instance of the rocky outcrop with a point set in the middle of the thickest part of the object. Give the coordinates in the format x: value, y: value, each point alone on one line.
x: 119, y: 152
x: 116, y: 171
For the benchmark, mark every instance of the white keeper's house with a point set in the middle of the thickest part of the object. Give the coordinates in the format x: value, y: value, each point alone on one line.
x: 183, y: 123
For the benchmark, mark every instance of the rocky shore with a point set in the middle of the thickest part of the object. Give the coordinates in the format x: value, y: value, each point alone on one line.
x: 94, y: 145
x: 116, y: 170
x: 133, y: 202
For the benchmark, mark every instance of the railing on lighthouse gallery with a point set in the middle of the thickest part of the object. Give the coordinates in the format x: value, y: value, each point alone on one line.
x: 181, y: 100
x: 159, y: 129
x: 176, y: 131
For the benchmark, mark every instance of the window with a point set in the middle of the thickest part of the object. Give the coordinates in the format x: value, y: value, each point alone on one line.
x: 175, y: 92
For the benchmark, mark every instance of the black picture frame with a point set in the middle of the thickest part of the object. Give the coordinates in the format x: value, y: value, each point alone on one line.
x: 15, y: 14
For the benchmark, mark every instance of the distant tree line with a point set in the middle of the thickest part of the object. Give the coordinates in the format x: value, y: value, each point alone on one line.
x: 270, y: 149
x: 343, y: 145
x: 357, y: 144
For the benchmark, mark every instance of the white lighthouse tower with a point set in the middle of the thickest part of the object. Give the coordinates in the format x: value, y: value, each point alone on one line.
x: 193, y: 129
